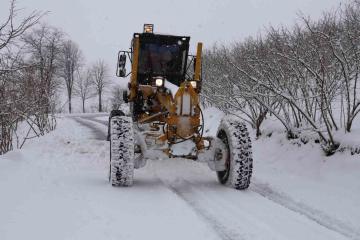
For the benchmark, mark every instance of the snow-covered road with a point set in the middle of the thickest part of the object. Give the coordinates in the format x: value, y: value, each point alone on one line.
x: 57, y: 188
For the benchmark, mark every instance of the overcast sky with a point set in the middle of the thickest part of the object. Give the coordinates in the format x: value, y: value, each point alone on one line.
x: 101, y: 28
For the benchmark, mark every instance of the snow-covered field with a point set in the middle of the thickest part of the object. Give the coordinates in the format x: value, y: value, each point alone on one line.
x: 56, y: 188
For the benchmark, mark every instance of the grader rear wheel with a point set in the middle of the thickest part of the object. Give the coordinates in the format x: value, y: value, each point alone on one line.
x: 239, y: 162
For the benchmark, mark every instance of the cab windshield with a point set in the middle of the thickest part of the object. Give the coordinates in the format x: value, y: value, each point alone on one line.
x: 161, y: 59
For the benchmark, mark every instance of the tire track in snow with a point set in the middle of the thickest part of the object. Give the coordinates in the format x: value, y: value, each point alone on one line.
x: 264, y: 191
x: 191, y: 194
x: 315, y: 215
x: 99, y: 133
x: 90, y: 118
x: 216, y: 226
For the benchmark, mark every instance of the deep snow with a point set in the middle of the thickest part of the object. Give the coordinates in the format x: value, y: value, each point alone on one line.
x: 57, y: 188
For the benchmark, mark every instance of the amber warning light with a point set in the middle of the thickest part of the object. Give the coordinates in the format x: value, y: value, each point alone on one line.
x: 148, y: 28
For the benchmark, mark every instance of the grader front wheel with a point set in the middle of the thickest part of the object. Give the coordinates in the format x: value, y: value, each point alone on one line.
x: 121, y: 151
x: 239, y: 163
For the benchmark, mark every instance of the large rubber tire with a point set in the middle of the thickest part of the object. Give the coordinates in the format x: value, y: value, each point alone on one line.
x: 113, y: 113
x: 121, y: 151
x: 239, y: 163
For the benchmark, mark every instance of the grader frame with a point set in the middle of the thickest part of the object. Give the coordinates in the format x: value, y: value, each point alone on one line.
x: 166, y: 117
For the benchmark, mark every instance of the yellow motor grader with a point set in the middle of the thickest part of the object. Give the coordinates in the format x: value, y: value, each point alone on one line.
x: 166, y: 119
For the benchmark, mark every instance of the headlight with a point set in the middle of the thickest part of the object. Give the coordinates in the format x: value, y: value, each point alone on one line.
x: 193, y: 84
x: 159, y: 82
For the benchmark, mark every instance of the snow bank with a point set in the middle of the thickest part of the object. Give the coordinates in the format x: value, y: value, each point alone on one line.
x: 324, y: 187
x: 56, y: 188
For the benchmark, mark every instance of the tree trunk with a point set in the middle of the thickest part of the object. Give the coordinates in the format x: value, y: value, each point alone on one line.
x: 258, y: 131
x: 349, y: 125
x: 83, y: 105
x: 70, y: 104
x: 100, y: 102
x: 259, y: 121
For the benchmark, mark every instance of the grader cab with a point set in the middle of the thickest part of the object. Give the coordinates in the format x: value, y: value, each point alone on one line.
x: 166, y: 119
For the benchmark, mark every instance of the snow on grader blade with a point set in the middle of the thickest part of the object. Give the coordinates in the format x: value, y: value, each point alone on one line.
x: 165, y: 117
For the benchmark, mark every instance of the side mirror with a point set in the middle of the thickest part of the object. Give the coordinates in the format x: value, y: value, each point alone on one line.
x: 121, y: 70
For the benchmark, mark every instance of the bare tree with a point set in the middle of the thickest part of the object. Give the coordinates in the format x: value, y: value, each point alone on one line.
x: 99, y: 74
x: 70, y: 61
x: 44, y: 47
x: 10, y: 31
x: 13, y: 104
x: 84, y: 87
x: 117, y: 98
x: 299, y: 75
x: 234, y: 92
